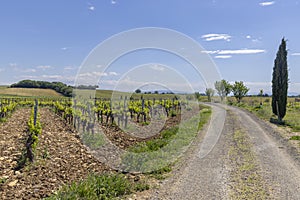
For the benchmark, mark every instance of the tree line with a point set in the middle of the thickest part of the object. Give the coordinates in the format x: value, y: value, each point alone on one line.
x: 224, y: 88
x: 59, y: 87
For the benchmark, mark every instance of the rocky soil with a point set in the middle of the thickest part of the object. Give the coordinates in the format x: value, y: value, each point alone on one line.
x: 60, y: 159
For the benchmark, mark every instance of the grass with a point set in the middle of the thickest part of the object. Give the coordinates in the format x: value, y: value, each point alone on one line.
x: 157, y: 155
x: 108, y: 94
x: 246, y: 182
x: 295, y: 137
x: 93, y: 141
x: 28, y: 92
x: 2, y: 181
x: 264, y: 111
x: 105, y: 186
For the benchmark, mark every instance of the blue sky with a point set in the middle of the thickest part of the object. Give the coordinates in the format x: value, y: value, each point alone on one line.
x: 48, y: 40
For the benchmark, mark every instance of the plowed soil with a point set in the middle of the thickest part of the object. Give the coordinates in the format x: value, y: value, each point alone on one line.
x: 61, y: 158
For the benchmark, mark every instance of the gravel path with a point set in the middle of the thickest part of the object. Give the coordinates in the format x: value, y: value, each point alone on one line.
x: 279, y: 168
x: 222, y: 173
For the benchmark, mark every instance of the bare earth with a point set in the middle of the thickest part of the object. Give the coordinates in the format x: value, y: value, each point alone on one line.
x: 249, y: 161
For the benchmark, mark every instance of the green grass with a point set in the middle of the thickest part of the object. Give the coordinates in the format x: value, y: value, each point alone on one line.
x: 264, y: 111
x: 108, y: 94
x: 295, y: 137
x: 93, y: 141
x: 105, y: 186
x: 157, y: 155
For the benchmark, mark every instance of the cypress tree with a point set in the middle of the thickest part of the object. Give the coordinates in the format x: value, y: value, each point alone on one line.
x: 280, y: 82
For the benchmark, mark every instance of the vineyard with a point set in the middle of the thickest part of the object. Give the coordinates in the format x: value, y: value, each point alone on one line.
x: 44, y: 135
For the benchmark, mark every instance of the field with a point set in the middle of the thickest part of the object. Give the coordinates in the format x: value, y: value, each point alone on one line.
x: 28, y: 92
x: 60, y: 137
x: 261, y: 107
x: 114, y: 146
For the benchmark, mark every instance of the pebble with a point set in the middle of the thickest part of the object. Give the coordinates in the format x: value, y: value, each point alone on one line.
x: 13, y: 183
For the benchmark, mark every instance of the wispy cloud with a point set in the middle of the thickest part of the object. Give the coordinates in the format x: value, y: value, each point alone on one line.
x: 65, y: 48
x: 69, y: 68
x: 267, y: 3
x: 215, y: 36
x: 248, y: 36
x: 242, y: 51
x: 113, y: 74
x: 223, y: 56
x: 211, y: 52
x: 295, y: 54
x: 157, y: 68
x: 43, y: 67
x: 13, y: 64
x: 98, y: 74
x: 227, y: 53
x: 91, y: 8
x: 113, y: 2
x: 30, y: 70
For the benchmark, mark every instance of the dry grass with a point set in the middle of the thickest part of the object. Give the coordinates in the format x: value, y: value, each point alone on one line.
x: 32, y: 92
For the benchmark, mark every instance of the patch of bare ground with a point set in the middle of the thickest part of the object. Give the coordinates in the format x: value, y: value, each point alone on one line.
x: 60, y: 157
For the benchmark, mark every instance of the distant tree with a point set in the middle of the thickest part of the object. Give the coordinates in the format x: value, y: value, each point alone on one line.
x: 261, y: 93
x: 223, y: 88
x: 197, y: 95
x: 239, y: 90
x: 138, y: 91
x: 280, y: 82
x: 209, y: 93
x: 155, y: 92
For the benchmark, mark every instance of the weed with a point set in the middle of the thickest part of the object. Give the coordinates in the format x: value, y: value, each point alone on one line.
x: 2, y: 180
x: 106, y: 186
x: 93, y: 141
x: 295, y: 137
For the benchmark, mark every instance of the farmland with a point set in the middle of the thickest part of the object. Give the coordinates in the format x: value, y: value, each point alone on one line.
x: 28, y: 92
x: 55, y: 136
x: 73, y: 141
x: 261, y: 107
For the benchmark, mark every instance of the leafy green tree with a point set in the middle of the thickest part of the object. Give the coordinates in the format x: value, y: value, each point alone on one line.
x: 239, y: 90
x: 223, y: 88
x: 138, y: 91
x: 280, y: 82
x: 209, y: 93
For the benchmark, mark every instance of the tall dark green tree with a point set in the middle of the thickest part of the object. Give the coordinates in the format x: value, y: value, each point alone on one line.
x: 280, y: 82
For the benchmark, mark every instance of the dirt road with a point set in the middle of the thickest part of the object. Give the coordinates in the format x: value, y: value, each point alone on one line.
x: 247, y: 162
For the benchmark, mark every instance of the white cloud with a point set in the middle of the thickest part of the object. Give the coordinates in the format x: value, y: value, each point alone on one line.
x: 65, y: 48
x: 113, y: 73
x: 13, y: 64
x: 227, y: 53
x: 248, y: 36
x: 267, y: 3
x: 295, y: 54
x: 241, y: 51
x: 215, y: 36
x: 157, y: 68
x: 43, y: 67
x: 210, y: 52
x: 223, y: 56
x: 92, y: 8
x: 30, y: 70
x: 52, y: 77
x: 113, y: 2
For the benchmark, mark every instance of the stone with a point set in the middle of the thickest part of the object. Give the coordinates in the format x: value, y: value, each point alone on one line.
x: 13, y: 183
